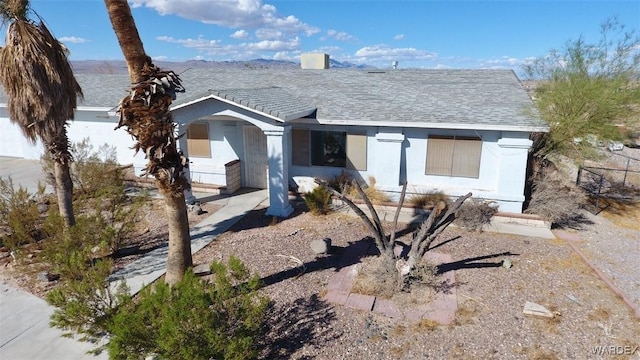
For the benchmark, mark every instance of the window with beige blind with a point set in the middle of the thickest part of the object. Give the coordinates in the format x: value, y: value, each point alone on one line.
x: 453, y: 156
x: 198, y: 144
x: 329, y: 148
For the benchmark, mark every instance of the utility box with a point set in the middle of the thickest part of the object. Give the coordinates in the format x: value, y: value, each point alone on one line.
x: 315, y: 61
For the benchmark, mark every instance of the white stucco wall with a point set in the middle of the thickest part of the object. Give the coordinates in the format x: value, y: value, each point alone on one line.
x: 95, y: 124
x: 396, y: 155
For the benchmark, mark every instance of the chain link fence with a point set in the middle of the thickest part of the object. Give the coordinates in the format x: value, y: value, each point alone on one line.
x: 618, y: 180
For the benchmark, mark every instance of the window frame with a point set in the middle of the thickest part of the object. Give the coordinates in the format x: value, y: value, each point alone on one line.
x: 353, y: 147
x: 453, y: 156
x: 199, y: 146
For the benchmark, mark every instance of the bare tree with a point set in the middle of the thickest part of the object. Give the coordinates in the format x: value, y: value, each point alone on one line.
x: 439, y: 218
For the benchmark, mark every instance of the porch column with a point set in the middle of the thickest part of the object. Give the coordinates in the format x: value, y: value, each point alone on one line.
x: 514, y: 152
x: 385, y: 157
x: 278, y: 155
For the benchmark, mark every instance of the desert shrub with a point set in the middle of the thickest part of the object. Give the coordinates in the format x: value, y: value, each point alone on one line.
x: 556, y: 200
x: 341, y: 182
x: 19, y: 215
x: 318, y: 201
x: 428, y: 199
x: 474, y: 214
x: 377, y: 276
x: 99, y: 191
x: 375, y: 195
x: 194, y: 319
x: 84, y: 301
x: 423, y: 274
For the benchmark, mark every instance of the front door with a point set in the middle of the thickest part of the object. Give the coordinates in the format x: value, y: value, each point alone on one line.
x: 256, y: 163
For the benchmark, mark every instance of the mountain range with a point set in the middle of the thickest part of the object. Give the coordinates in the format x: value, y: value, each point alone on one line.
x: 120, y: 67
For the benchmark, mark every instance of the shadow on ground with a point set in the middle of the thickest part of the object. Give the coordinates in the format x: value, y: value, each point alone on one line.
x: 302, y: 322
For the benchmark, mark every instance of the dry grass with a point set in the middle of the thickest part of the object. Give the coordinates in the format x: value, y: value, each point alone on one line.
x: 428, y: 199
x: 623, y: 214
x: 377, y: 276
x: 375, y: 195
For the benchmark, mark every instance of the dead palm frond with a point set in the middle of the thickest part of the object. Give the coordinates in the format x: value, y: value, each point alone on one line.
x: 145, y: 114
x: 38, y: 79
x: 41, y: 89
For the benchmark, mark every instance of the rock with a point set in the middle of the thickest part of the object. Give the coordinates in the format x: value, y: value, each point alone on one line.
x: 531, y: 308
x: 202, y: 270
x: 43, y: 208
x: 321, y: 246
x: 506, y: 263
x: 196, y: 209
x: 45, y: 276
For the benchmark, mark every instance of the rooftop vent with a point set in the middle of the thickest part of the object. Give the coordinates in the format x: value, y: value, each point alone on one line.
x: 316, y: 61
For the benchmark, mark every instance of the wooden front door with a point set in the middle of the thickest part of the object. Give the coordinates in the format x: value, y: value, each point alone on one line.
x: 256, y: 163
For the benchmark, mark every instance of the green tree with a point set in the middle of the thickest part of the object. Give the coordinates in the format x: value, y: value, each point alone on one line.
x: 42, y: 91
x: 587, y: 89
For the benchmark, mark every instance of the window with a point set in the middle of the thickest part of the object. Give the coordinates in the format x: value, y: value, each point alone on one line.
x: 198, y: 144
x: 329, y: 148
x: 453, y: 156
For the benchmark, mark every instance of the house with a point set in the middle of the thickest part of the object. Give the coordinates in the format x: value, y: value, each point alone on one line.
x: 447, y: 130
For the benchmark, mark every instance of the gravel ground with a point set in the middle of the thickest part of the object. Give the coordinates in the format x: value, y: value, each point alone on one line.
x: 615, y: 251
x: 489, y: 323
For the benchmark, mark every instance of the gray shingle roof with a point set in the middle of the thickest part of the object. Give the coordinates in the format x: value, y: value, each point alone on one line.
x: 470, y: 99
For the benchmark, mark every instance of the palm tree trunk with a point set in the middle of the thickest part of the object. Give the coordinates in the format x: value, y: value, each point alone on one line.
x: 64, y: 192
x: 179, y: 256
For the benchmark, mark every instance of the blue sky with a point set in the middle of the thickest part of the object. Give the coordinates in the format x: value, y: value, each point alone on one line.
x: 419, y: 33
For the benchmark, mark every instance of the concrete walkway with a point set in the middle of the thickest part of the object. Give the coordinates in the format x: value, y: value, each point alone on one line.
x: 24, y: 318
x: 154, y: 263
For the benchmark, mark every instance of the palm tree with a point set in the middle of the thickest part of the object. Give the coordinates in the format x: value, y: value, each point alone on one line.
x: 42, y: 91
x: 145, y: 114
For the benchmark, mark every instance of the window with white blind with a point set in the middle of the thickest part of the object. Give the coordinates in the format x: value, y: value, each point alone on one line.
x: 453, y: 156
x: 329, y: 148
x: 198, y: 144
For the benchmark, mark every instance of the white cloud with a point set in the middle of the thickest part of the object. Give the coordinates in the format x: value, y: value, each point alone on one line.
x: 240, y: 34
x: 202, y: 45
x: 384, y: 53
x: 268, y: 34
x: 273, y: 45
x: 73, y: 40
x: 398, y: 37
x: 283, y: 55
x: 160, y: 58
x: 200, y: 42
x: 340, y: 35
x: 230, y: 13
x: 327, y: 50
x: 504, y: 62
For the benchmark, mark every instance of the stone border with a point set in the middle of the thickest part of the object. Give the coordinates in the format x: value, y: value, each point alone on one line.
x: 441, y: 309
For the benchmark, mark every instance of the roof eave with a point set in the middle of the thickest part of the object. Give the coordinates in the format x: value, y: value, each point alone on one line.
x: 427, y: 125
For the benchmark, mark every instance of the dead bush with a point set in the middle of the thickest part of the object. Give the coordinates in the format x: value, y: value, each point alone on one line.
x: 424, y: 274
x: 428, y: 199
x: 557, y: 200
x: 474, y: 214
x: 375, y: 195
x: 377, y: 276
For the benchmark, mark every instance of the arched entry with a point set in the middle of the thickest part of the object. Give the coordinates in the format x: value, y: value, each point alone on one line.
x: 256, y: 163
